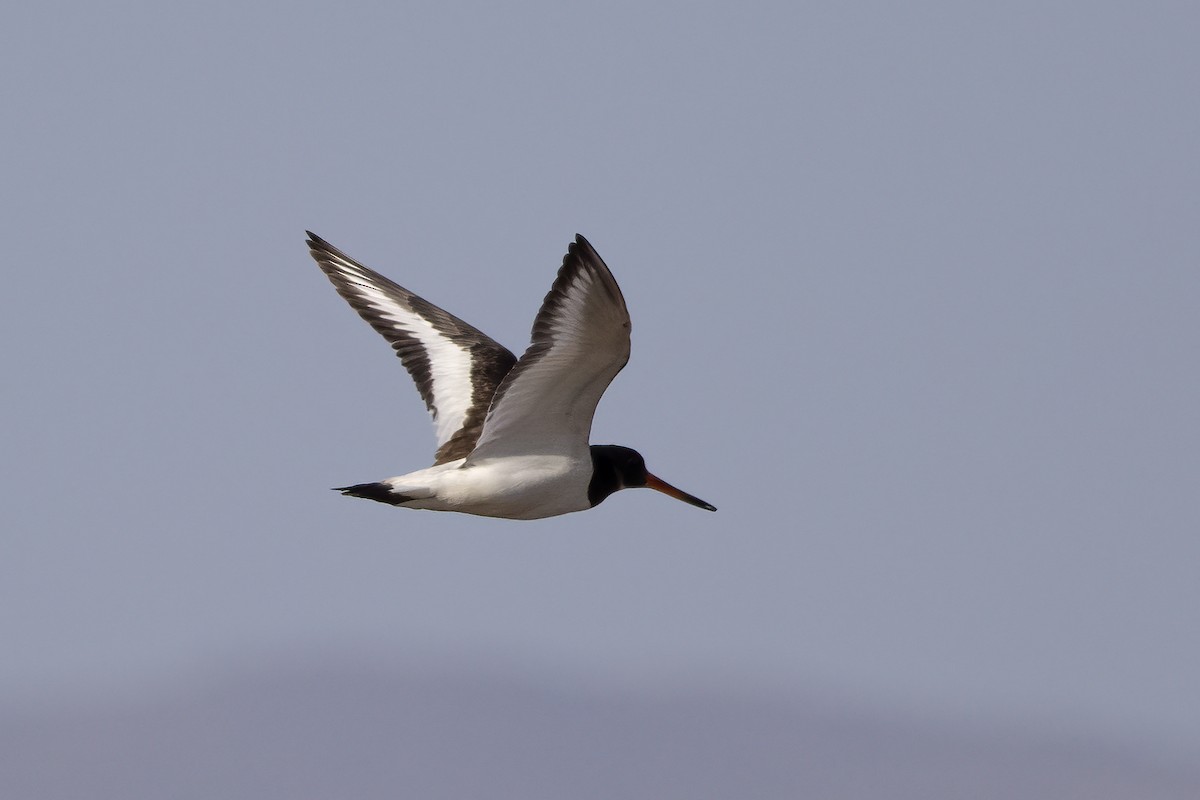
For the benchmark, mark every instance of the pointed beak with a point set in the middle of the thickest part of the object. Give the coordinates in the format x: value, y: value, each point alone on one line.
x: 659, y: 485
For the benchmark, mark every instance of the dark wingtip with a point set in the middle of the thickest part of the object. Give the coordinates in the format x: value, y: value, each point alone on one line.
x: 584, y: 245
x: 322, y: 250
x: 316, y: 244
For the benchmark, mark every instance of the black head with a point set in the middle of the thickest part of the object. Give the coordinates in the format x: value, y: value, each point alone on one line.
x: 615, y: 468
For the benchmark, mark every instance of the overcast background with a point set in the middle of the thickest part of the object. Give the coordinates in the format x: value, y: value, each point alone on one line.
x: 915, y: 297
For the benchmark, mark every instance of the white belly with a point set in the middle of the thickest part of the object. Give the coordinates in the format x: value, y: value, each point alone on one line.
x: 514, y: 487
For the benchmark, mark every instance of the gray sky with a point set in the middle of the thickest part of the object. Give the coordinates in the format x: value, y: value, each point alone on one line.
x: 914, y: 293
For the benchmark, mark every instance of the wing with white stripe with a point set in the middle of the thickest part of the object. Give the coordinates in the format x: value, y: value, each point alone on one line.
x: 455, y: 366
x: 580, y: 342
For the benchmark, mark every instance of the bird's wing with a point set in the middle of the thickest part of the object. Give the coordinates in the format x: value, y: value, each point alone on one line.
x: 580, y: 342
x: 456, y: 367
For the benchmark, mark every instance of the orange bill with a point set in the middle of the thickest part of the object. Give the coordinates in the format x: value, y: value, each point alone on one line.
x: 659, y: 485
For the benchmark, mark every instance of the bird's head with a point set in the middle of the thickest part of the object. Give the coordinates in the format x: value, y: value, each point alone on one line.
x: 616, y: 467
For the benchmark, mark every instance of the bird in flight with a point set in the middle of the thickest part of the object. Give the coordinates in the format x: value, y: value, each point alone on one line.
x: 512, y: 433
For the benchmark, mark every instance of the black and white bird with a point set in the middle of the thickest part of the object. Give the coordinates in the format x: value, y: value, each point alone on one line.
x: 512, y: 433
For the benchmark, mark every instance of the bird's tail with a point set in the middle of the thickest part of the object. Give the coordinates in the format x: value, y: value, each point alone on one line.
x: 380, y: 492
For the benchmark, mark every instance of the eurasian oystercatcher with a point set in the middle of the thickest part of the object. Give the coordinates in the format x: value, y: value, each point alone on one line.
x: 512, y: 433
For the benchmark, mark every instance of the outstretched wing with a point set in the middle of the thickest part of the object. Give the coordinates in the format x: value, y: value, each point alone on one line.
x: 580, y: 342
x: 456, y: 367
